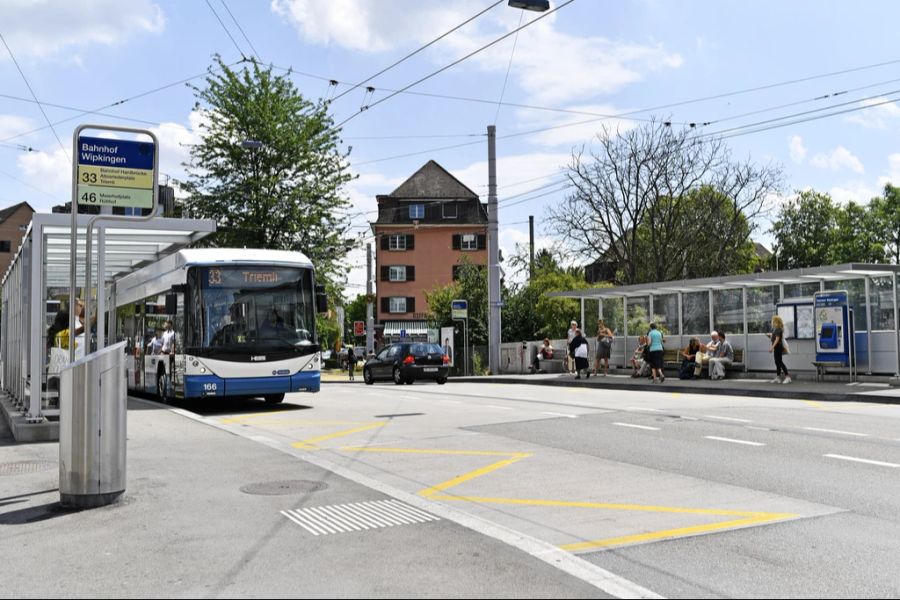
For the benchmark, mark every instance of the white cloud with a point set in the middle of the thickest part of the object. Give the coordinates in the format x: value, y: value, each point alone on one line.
x: 856, y: 191
x: 550, y: 65
x: 535, y: 170
x: 796, y: 148
x: 12, y: 125
x: 574, y: 129
x: 837, y: 159
x: 893, y: 175
x: 53, y: 171
x: 881, y: 116
x: 46, y: 28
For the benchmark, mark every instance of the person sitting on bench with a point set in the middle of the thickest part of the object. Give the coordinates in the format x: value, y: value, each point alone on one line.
x: 724, y: 357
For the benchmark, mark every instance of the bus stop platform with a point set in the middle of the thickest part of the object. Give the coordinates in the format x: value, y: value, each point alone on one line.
x: 881, y: 390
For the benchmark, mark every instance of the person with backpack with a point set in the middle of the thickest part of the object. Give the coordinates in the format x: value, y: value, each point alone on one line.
x: 351, y: 361
x: 578, y: 348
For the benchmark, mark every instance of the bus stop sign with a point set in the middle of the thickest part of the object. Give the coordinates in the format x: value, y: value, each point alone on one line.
x: 115, y: 172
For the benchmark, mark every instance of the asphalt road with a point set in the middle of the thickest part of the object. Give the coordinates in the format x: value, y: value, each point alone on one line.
x: 540, y: 492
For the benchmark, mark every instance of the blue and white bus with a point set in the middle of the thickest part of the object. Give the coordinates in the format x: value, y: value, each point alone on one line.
x: 241, y: 324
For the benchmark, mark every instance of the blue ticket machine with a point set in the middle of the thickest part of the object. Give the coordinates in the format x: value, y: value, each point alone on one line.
x: 833, y: 326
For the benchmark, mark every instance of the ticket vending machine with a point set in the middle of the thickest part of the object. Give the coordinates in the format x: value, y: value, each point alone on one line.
x: 834, y: 328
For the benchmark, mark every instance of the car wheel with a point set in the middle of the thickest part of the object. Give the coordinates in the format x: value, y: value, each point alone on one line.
x: 398, y: 378
x: 441, y: 380
x: 274, y: 398
x: 367, y: 376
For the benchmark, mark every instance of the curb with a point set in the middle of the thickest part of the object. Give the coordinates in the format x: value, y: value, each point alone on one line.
x: 773, y: 392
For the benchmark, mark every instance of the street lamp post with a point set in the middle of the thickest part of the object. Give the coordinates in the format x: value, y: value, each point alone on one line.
x: 493, y: 224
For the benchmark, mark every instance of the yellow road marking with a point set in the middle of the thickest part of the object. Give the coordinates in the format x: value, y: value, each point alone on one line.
x: 310, y: 422
x: 676, y: 393
x: 813, y: 403
x: 671, y: 533
x: 514, y: 457
x: 240, y: 418
x: 612, y: 506
x: 311, y: 443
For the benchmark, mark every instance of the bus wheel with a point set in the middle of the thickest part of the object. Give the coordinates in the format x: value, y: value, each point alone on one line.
x: 274, y: 398
x: 162, y: 384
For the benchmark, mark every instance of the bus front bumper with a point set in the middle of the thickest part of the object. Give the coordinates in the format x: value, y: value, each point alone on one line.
x: 200, y: 386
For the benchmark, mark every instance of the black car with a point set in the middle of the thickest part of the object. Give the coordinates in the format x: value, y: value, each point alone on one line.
x: 406, y: 362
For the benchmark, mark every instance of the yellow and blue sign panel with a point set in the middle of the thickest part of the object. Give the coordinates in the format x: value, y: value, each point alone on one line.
x: 115, y: 172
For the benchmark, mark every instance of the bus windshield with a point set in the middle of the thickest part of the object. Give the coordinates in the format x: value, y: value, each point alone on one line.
x: 255, y: 309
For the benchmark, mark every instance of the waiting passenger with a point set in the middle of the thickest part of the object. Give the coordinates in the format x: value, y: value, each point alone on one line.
x: 689, y: 359
x: 724, y: 357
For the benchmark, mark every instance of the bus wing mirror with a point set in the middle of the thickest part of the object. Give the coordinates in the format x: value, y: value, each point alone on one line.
x: 321, y: 299
x: 171, y: 304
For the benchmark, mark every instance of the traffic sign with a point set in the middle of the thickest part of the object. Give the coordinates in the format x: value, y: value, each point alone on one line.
x: 459, y: 309
x: 115, y: 172
x: 402, y: 333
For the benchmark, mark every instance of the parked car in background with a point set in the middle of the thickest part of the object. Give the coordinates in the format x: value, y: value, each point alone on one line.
x: 406, y: 362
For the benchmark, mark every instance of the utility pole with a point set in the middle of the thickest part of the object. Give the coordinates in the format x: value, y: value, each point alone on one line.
x: 531, y: 246
x: 493, y: 257
x: 370, y: 318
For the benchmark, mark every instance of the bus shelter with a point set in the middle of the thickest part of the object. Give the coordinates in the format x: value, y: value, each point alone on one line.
x: 743, y: 306
x: 36, y: 287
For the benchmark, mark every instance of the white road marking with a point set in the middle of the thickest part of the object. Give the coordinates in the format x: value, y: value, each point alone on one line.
x: 758, y: 428
x: 498, y: 407
x: 862, y: 460
x: 556, y: 414
x: 836, y: 431
x: 644, y: 409
x: 728, y: 419
x: 637, y: 426
x: 731, y: 441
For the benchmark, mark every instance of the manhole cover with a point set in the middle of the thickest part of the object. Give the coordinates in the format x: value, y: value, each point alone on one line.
x: 283, y: 488
x: 24, y: 467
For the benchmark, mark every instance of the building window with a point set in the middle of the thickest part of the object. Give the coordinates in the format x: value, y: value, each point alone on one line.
x: 398, y: 242
x: 397, y: 274
x: 5, y: 246
x: 398, y: 305
x: 416, y: 211
x: 450, y: 210
x: 469, y: 241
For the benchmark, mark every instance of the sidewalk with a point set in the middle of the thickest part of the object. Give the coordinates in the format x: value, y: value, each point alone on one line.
x: 736, y: 384
x: 187, y: 528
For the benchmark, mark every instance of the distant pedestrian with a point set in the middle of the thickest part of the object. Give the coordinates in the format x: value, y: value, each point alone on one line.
x: 604, y: 348
x: 351, y: 361
x: 656, y: 353
x: 778, y: 348
x: 570, y: 335
x: 578, y: 348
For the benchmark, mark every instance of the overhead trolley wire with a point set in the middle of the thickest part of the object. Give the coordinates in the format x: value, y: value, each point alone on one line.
x: 413, y: 53
x: 456, y: 62
x: 241, y: 29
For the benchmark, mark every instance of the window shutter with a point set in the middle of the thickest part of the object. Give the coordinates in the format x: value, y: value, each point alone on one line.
x: 410, y: 304
x: 385, y: 242
x: 410, y: 242
x: 482, y: 241
x: 410, y: 273
x: 457, y: 241
x: 385, y: 273
x: 385, y: 305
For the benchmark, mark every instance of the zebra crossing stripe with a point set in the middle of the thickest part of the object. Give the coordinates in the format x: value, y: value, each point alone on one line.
x: 356, y: 516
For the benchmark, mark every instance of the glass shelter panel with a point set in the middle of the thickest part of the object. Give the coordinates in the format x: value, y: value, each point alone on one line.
x: 728, y: 311
x: 695, y: 309
x: 760, y: 308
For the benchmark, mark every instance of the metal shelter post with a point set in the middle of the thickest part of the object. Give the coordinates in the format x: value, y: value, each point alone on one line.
x: 896, y: 323
x: 746, y: 328
x: 868, y: 329
x: 680, y: 317
x: 36, y: 311
x: 712, y: 321
x: 625, y: 330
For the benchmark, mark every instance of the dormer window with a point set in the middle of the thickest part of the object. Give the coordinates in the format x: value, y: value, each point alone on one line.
x: 416, y: 211
x: 450, y: 210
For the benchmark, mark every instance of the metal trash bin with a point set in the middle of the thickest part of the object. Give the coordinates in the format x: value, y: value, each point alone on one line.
x: 92, y: 429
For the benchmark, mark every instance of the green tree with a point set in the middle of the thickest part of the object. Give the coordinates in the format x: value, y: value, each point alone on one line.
x: 886, y: 213
x: 804, y: 231
x: 471, y: 285
x: 858, y: 235
x: 288, y: 193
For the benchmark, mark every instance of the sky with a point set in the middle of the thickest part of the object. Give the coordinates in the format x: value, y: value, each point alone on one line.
x: 565, y: 75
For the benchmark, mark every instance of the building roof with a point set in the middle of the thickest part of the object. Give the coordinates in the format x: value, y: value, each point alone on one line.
x: 432, y: 182
x: 11, y: 210
x: 763, y: 279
